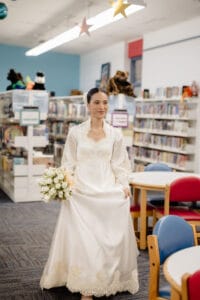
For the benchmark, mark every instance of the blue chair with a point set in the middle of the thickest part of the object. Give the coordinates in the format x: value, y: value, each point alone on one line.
x: 156, y: 199
x: 170, y: 234
x: 157, y: 167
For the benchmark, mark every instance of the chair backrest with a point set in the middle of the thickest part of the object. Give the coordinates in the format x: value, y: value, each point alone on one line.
x: 170, y: 234
x: 157, y: 167
x: 173, y: 234
x: 191, y: 286
x: 186, y: 189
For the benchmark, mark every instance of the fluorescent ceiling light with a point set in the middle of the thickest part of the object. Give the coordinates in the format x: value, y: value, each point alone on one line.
x: 102, y: 19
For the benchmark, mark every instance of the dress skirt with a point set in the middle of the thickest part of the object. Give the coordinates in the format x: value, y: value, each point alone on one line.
x: 93, y: 250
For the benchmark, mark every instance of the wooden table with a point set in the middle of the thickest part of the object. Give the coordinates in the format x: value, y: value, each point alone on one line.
x: 142, y: 182
x: 179, y: 263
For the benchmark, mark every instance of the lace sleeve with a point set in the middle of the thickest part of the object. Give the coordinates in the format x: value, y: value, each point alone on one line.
x: 69, y: 153
x: 120, y: 162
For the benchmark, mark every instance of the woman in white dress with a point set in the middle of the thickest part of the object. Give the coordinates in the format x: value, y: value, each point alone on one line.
x: 94, y: 250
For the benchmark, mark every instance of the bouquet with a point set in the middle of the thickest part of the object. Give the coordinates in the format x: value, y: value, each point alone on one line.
x: 56, y: 184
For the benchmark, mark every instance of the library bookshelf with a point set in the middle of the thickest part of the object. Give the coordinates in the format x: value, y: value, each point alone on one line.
x: 64, y: 112
x: 165, y: 130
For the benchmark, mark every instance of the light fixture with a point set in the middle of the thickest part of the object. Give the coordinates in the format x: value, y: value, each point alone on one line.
x: 102, y: 19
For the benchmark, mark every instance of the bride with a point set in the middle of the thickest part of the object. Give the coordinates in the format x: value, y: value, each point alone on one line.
x: 94, y: 250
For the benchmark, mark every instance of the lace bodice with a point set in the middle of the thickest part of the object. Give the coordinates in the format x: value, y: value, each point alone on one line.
x: 96, y: 164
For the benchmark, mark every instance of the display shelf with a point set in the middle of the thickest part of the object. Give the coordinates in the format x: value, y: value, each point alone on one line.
x: 165, y: 130
x: 19, y: 175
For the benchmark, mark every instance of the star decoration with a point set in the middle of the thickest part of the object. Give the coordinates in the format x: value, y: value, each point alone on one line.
x: 119, y: 7
x: 84, y: 27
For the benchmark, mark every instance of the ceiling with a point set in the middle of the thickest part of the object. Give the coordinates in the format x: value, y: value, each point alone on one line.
x: 31, y: 22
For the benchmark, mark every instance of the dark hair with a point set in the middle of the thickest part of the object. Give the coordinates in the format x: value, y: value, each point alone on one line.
x: 93, y: 91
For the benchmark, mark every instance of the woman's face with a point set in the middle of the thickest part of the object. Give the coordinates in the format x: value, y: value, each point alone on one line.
x: 98, y: 105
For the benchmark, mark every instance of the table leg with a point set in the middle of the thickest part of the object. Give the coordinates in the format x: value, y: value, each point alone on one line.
x: 136, y: 196
x: 143, y: 221
x: 136, y: 202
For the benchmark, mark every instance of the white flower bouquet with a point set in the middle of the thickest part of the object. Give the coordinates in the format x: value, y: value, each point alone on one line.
x: 56, y: 184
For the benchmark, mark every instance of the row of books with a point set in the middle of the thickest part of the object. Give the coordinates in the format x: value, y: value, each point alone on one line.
x: 61, y: 109
x: 169, y: 92
x: 8, y: 133
x: 163, y: 108
x: 7, y: 162
x: 138, y: 167
x: 160, y: 140
x: 173, y: 125
x: 61, y: 127
x: 157, y: 155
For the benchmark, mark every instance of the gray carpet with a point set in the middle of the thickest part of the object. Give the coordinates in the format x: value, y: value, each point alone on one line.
x: 25, y: 234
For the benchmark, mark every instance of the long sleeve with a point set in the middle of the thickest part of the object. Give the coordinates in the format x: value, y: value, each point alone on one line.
x: 70, y: 151
x: 120, y: 162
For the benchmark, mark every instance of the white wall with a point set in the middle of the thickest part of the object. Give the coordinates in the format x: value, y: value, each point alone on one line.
x: 171, y: 65
x: 168, y: 65
x: 90, y: 66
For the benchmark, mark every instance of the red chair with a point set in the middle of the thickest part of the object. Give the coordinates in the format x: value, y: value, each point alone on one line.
x: 191, y: 286
x: 186, y: 189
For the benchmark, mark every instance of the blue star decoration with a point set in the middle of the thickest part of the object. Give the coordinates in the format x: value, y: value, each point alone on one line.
x: 84, y: 27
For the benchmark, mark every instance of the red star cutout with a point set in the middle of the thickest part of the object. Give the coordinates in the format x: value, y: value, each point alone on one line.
x: 84, y: 27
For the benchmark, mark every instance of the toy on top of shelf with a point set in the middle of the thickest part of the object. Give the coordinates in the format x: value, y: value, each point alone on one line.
x: 16, y: 80
x: 29, y: 83
x: 195, y: 89
x: 119, y: 84
x: 76, y: 92
x: 39, y: 81
x: 186, y: 91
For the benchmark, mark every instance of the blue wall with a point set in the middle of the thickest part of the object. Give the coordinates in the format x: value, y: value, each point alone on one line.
x: 62, y: 71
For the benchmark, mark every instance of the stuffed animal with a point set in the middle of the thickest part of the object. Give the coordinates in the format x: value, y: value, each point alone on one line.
x: 119, y: 84
x: 39, y: 81
x: 195, y: 89
x: 75, y: 92
x: 186, y: 91
x: 16, y: 80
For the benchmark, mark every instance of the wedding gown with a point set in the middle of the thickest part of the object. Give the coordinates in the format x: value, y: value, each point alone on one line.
x: 94, y: 250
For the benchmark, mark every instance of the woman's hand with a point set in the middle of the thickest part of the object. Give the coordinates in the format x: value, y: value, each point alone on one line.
x: 127, y: 192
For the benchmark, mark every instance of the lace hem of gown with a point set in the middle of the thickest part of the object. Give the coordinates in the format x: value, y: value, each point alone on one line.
x: 100, y: 287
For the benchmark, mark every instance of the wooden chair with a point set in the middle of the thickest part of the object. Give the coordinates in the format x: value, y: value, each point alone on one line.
x: 182, y: 190
x: 170, y: 234
x: 191, y: 286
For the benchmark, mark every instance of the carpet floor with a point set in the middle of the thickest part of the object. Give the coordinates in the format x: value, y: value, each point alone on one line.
x: 26, y: 231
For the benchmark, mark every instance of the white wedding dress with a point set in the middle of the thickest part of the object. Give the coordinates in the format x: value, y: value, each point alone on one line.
x: 94, y: 250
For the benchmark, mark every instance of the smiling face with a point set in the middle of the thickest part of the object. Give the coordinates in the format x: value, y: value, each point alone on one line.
x: 98, y: 105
